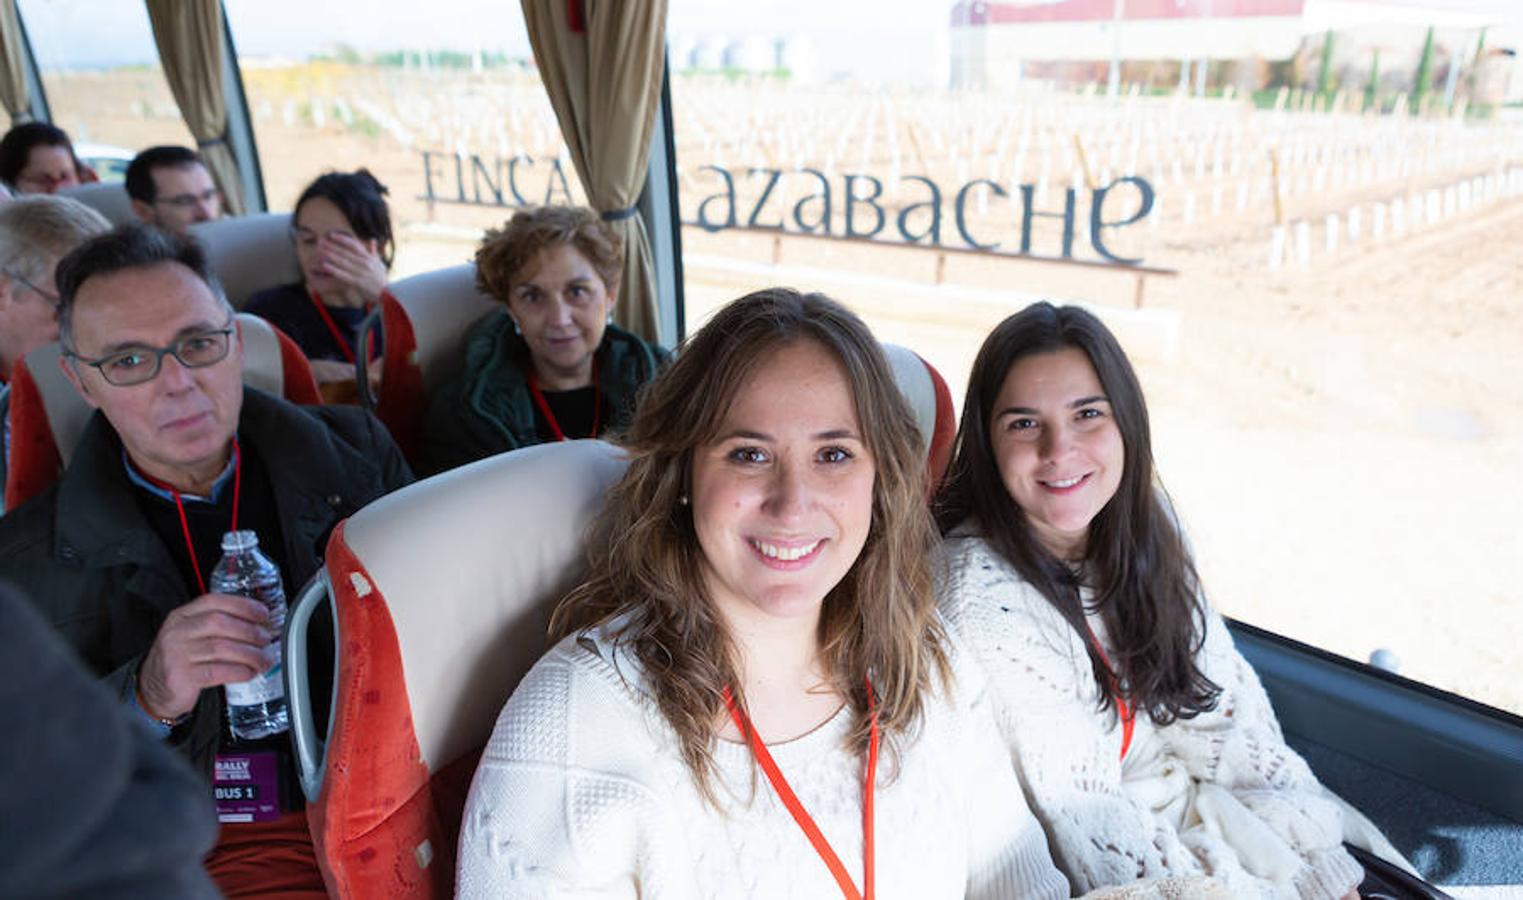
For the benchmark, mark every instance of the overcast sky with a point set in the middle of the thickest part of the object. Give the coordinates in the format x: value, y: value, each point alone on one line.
x: 857, y: 34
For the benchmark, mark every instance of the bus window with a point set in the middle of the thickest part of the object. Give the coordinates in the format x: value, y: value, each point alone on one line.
x: 100, y: 70
x: 440, y: 101
x: 1297, y: 239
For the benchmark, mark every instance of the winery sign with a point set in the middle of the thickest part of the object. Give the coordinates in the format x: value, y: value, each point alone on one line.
x: 810, y: 201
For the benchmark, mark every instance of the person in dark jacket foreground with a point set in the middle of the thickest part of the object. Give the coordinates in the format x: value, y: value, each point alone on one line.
x: 118, y: 552
x: 551, y: 366
x: 94, y: 805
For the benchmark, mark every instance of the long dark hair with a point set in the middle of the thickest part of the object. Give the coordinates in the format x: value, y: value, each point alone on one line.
x: 880, y: 620
x: 1144, y: 583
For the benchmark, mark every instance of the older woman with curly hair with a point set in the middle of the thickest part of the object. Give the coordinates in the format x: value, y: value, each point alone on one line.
x: 551, y: 365
x: 759, y: 625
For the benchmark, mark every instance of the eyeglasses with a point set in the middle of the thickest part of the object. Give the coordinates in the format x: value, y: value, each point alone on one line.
x: 25, y: 282
x: 137, y: 365
x: 187, y: 201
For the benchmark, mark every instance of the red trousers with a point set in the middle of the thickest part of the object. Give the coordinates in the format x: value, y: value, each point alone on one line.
x: 267, y: 859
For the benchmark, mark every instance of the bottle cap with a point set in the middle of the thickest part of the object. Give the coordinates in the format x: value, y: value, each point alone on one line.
x: 239, y: 542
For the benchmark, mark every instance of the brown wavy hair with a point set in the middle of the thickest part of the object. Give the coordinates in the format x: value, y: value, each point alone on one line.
x: 505, y: 251
x: 878, y: 622
x: 1145, y: 584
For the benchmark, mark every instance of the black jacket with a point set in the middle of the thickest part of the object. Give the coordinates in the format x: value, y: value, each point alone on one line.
x: 93, y: 806
x: 83, y: 552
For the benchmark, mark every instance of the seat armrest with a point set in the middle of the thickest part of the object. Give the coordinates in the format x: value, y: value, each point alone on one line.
x: 306, y: 740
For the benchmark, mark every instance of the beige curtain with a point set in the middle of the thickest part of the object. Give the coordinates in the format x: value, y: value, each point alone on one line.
x: 603, y: 75
x: 13, y: 92
x: 189, y: 36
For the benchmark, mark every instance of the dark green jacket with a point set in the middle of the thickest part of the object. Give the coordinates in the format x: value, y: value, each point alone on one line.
x: 83, y: 552
x: 487, y: 408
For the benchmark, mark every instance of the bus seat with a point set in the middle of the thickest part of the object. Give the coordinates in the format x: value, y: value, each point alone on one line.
x: 249, y: 253
x: 47, y: 416
x: 110, y: 200
x: 425, y: 324
x: 931, y: 401
x: 427, y: 654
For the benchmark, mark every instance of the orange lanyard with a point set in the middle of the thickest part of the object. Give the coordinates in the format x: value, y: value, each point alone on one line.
x: 1123, y: 708
x: 801, y: 815
x: 190, y: 546
x: 338, y: 336
x: 544, y: 405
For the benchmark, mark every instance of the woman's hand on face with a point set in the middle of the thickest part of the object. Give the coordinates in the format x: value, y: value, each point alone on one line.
x: 349, y: 262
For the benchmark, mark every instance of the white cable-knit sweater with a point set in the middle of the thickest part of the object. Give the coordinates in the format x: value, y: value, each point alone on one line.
x: 1220, y: 794
x: 581, y: 793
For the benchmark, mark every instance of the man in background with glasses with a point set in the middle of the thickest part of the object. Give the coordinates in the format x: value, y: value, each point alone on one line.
x: 116, y: 553
x: 171, y: 189
x: 35, y: 233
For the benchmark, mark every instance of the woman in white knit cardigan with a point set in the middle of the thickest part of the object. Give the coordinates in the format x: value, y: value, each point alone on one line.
x: 758, y: 627
x: 1145, y: 743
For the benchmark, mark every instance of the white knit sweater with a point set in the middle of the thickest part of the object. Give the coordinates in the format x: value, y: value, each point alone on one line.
x: 1220, y: 794
x: 581, y: 793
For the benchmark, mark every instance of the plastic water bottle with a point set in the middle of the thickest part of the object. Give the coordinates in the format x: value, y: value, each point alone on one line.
x: 255, y: 708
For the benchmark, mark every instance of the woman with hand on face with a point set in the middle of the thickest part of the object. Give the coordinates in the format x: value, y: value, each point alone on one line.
x: 1143, y: 738
x: 342, y: 231
x: 551, y: 366
x: 752, y: 695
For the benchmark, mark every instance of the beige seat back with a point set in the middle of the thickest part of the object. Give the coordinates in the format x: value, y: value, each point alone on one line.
x: 915, y: 383
x: 110, y: 200
x: 503, y: 539
x: 249, y: 253
x: 442, y: 306
x: 440, y: 593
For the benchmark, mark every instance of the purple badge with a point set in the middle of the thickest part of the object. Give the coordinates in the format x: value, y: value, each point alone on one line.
x: 247, y: 787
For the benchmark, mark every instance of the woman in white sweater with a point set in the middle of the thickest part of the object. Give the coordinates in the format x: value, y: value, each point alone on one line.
x: 752, y: 695
x: 1145, y: 743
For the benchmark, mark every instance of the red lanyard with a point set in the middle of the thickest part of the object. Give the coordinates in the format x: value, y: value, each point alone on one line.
x: 801, y: 815
x: 1123, y: 709
x: 338, y: 336
x: 190, y: 546
x: 544, y: 405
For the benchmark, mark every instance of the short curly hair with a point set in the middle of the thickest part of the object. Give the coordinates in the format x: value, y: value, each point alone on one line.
x: 505, y: 251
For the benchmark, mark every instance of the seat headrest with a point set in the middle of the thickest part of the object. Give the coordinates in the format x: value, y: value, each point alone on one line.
x: 110, y: 200
x: 469, y: 564
x: 249, y: 253
x: 67, y: 413
x: 442, y: 306
x: 914, y: 381
x: 263, y: 366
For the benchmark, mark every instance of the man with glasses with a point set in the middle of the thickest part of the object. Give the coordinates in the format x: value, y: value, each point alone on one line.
x: 171, y: 189
x: 35, y: 232
x: 116, y: 553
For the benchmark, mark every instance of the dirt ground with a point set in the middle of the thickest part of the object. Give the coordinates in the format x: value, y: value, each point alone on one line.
x: 1344, y: 442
